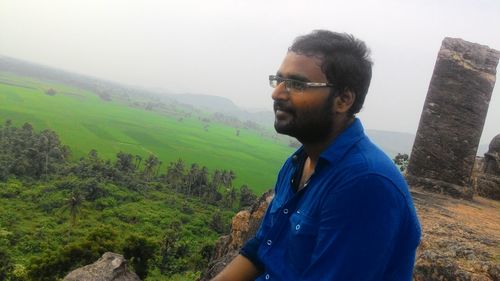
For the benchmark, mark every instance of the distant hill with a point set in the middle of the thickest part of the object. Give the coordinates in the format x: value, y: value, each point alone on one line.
x: 46, y: 73
x: 392, y: 142
x: 210, y: 103
x: 188, y: 103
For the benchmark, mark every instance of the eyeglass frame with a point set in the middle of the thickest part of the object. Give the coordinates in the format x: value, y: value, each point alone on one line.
x: 289, y: 88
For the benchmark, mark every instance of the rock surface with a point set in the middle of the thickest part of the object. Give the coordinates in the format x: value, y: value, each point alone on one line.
x: 453, y: 116
x: 492, y: 157
x: 460, y: 240
x: 109, y: 267
x: 486, y: 173
x: 243, y: 227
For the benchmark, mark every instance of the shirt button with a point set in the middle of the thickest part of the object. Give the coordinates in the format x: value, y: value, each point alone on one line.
x: 267, y: 276
x: 285, y: 211
x: 269, y: 242
x: 297, y: 227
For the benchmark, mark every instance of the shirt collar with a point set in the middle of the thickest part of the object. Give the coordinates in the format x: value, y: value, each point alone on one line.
x: 339, y: 146
x: 343, y: 142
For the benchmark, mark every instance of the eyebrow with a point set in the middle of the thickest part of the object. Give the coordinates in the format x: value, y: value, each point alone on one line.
x: 297, y: 77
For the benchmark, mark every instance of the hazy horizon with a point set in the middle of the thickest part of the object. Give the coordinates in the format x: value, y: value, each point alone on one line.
x: 227, y: 48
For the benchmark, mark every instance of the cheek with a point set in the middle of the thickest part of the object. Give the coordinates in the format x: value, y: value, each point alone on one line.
x: 309, y: 101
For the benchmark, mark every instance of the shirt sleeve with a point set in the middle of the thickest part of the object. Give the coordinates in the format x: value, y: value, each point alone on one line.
x: 249, y: 251
x: 357, y: 230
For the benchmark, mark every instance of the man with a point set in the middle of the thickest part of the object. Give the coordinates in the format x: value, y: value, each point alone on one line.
x: 341, y: 211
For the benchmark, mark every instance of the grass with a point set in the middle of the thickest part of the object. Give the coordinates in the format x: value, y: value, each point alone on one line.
x: 84, y: 122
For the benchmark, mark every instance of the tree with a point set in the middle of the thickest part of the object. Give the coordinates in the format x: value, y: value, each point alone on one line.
x: 53, y: 265
x: 51, y: 92
x: 247, y: 197
x: 175, y: 174
x: 138, y: 250
x: 226, y: 178
x: 149, y: 166
x: 124, y: 162
x: 5, y: 265
x: 401, y: 160
x: 138, y: 160
x: 168, y: 248
x: 231, y: 196
x: 91, y: 189
x: 191, y: 178
x: 158, y: 168
x: 217, y: 223
x: 73, y: 205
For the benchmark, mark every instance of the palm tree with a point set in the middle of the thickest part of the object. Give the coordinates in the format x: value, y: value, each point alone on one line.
x: 175, y: 174
x: 158, y: 167
x: 149, y: 165
x: 191, y: 178
x: 124, y: 162
x: 138, y: 160
x: 73, y: 205
x: 227, y: 178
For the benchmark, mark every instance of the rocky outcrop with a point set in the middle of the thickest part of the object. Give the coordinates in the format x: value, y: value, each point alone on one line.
x: 486, y: 176
x: 109, y: 267
x: 453, y: 116
x: 243, y: 227
x: 488, y: 186
x: 492, y: 157
x: 460, y: 240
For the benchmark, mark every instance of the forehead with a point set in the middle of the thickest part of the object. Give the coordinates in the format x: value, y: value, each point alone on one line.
x: 300, y: 66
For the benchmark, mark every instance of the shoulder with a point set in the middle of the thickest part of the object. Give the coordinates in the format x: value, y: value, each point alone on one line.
x: 366, y: 165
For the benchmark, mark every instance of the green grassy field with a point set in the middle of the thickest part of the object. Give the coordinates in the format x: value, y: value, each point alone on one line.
x: 84, y: 122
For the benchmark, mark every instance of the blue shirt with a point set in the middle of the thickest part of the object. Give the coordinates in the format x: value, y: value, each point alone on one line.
x: 353, y: 220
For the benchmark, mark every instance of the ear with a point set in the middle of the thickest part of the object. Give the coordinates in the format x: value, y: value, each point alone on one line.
x: 344, y: 101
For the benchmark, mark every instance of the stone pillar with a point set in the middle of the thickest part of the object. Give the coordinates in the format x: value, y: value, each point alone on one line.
x: 453, y: 117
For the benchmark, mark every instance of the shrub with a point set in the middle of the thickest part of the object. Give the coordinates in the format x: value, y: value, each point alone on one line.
x: 139, y: 250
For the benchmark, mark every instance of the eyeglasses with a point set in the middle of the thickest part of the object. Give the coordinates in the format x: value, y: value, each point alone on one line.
x: 295, y: 85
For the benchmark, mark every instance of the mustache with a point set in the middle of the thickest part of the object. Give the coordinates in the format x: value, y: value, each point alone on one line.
x: 283, y: 106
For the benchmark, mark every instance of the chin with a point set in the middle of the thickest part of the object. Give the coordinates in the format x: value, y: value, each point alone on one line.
x: 284, y: 129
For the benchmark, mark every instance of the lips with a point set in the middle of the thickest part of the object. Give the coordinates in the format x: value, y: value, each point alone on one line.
x: 281, y: 114
x: 281, y: 109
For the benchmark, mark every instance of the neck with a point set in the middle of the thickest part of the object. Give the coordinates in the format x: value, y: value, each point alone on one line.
x: 314, y: 149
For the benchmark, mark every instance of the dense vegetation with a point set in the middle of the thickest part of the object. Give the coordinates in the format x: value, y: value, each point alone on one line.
x: 59, y: 213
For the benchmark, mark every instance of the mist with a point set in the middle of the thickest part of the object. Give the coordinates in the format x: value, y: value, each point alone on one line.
x: 228, y: 48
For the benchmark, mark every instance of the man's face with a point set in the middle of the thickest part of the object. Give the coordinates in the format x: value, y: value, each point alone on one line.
x: 305, y: 115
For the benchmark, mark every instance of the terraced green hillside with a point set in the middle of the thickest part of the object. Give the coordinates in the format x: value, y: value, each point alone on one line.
x: 84, y: 121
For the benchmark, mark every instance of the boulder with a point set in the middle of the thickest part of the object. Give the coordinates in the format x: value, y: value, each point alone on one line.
x: 486, y: 172
x: 492, y: 157
x: 110, y: 267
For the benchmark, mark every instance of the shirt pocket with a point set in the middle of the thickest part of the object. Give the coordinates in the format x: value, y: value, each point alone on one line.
x: 303, y: 231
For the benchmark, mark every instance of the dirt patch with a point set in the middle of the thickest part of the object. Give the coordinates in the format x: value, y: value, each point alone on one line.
x: 460, y: 238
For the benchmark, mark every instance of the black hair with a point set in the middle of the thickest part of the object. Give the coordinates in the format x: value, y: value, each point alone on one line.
x: 345, y: 60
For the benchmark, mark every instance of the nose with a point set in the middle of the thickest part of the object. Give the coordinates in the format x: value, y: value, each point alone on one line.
x: 280, y: 92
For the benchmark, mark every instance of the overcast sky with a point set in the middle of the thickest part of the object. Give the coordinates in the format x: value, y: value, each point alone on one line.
x: 229, y: 47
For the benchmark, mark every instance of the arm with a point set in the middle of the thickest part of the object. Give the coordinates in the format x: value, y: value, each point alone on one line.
x: 239, y: 269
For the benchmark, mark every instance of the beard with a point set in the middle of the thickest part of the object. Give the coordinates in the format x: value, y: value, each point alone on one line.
x: 307, y: 125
